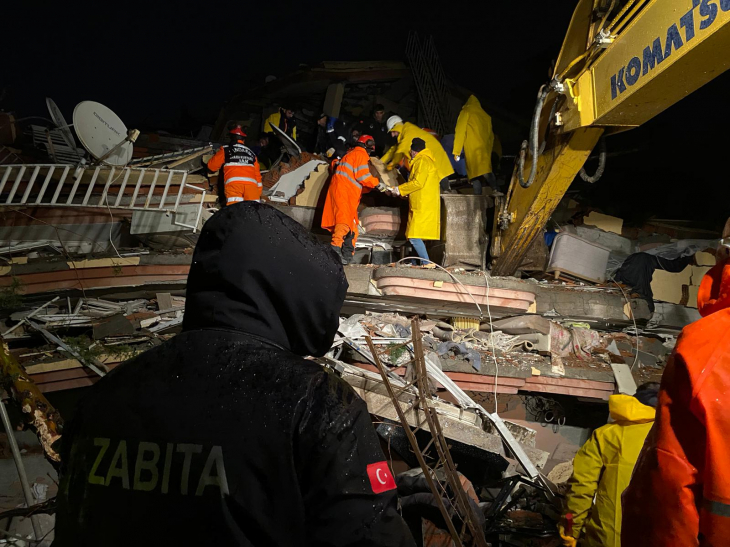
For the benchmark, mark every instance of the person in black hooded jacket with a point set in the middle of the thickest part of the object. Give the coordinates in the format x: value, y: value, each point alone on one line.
x: 225, y: 435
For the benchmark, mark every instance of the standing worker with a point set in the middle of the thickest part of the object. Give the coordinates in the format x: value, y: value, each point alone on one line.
x: 680, y: 492
x: 602, y: 470
x: 225, y: 434
x: 424, y: 197
x: 351, y: 178
x: 405, y: 133
x: 475, y: 137
x: 375, y: 126
x: 283, y: 119
x: 241, y: 173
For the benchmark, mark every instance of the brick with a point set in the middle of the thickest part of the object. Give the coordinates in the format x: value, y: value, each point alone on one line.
x: 487, y: 388
x: 565, y: 390
x: 571, y: 382
x: 484, y: 379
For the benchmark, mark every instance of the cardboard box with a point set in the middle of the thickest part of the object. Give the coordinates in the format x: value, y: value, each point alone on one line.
x: 604, y: 222
x: 667, y: 286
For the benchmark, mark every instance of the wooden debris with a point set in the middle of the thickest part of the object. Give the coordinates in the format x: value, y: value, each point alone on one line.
x: 42, y: 415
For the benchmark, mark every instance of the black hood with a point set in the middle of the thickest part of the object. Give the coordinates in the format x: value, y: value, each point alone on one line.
x: 257, y: 271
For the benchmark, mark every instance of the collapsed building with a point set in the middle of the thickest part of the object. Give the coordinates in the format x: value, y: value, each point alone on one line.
x: 96, y: 256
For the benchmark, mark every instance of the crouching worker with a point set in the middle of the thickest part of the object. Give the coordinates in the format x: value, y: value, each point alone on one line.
x: 225, y: 434
x: 602, y: 471
x: 424, y: 198
x: 350, y: 180
x: 241, y: 173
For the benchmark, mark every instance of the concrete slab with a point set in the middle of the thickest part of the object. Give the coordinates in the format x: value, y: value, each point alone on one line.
x: 587, y: 303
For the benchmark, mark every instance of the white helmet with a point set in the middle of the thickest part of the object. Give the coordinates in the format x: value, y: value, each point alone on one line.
x: 392, y: 122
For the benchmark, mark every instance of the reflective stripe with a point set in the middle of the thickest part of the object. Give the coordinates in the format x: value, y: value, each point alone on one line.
x: 362, y: 167
x: 365, y: 176
x: 345, y: 164
x: 716, y: 508
x: 237, y: 164
x: 234, y: 200
x: 348, y: 177
x: 243, y: 179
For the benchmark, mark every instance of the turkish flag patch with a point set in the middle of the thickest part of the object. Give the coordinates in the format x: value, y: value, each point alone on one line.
x: 381, y: 479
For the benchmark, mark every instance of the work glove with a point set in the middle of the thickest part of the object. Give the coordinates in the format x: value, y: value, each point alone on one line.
x: 330, y: 152
x: 457, y: 158
x: 382, y: 187
x: 395, y: 191
x: 568, y: 540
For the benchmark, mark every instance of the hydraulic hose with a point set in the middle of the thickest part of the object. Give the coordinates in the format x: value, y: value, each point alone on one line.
x: 601, y: 164
x: 533, y: 142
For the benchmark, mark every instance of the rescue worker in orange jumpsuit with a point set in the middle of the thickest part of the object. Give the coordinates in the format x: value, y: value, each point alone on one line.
x: 241, y: 173
x: 350, y: 180
x: 679, y: 494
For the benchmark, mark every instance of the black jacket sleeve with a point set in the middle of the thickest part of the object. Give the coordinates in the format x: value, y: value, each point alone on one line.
x: 335, y: 443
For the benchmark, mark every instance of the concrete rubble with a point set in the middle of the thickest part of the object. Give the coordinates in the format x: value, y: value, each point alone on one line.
x: 92, y: 277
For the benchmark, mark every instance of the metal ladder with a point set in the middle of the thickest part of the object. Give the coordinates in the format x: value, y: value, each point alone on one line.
x: 94, y: 186
x: 430, y: 82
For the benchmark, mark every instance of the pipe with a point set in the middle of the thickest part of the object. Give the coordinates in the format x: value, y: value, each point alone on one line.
x: 13, y: 442
x: 601, y: 165
x: 533, y: 144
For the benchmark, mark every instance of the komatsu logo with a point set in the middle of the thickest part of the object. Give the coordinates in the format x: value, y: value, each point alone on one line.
x: 654, y: 54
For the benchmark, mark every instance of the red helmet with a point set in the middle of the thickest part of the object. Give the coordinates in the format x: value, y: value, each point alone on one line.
x: 237, y: 131
x: 367, y: 142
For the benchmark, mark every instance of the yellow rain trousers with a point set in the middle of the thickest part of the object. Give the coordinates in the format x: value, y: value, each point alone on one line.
x: 602, y: 470
x: 475, y: 136
x: 424, y: 198
x: 406, y: 133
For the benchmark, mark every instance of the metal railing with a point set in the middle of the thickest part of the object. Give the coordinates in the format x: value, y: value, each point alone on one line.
x: 59, y: 185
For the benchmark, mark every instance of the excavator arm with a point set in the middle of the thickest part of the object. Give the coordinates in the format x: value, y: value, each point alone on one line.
x: 621, y: 64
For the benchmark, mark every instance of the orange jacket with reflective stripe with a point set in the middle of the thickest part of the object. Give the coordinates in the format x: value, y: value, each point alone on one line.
x: 679, y: 494
x: 351, y: 178
x: 239, y: 163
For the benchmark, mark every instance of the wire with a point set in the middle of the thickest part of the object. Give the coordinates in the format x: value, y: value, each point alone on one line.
x: 481, y: 315
x: 494, y: 350
x: 636, y: 329
x: 65, y: 251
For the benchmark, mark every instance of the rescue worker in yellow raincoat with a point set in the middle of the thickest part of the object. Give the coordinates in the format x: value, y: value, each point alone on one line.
x: 405, y: 133
x: 475, y: 137
x: 602, y: 470
x: 424, y: 197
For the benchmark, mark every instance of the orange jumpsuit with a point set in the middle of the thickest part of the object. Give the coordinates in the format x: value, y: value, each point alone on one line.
x: 351, y: 178
x: 679, y: 494
x: 241, y: 173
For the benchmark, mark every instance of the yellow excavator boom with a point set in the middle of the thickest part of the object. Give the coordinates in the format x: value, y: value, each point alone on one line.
x: 621, y: 64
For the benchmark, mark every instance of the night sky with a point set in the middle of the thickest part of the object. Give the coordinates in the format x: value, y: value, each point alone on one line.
x: 173, y: 66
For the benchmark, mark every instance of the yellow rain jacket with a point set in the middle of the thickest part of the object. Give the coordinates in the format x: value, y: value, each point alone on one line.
x: 602, y: 470
x: 275, y: 119
x: 408, y: 132
x: 424, y: 197
x: 475, y: 136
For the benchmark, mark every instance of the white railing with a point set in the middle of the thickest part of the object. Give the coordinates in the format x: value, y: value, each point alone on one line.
x: 57, y: 185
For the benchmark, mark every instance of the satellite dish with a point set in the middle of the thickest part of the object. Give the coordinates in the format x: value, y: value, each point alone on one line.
x: 292, y: 148
x: 102, y: 133
x: 60, y: 122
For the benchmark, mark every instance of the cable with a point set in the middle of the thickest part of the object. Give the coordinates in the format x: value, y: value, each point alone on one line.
x: 481, y: 315
x: 494, y: 350
x: 533, y: 143
x: 601, y: 165
x: 636, y: 329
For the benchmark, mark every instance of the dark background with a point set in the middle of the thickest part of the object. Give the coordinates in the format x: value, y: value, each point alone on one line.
x: 173, y: 66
